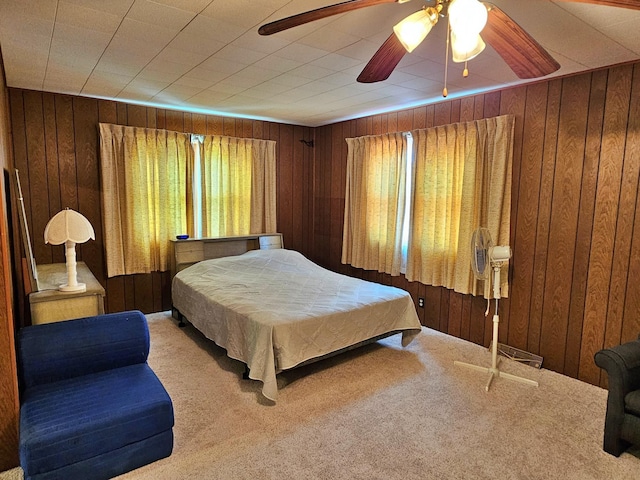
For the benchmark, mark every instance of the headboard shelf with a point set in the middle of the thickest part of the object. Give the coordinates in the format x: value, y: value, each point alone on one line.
x: 185, y: 253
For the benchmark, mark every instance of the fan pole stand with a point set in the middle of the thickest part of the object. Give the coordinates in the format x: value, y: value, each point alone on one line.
x: 494, y: 371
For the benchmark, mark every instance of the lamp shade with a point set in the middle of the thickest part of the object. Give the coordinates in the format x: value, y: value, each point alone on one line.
x: 413, y: 29
x: 467, y: 16
x: 466, y: 47
x: 68, y: 225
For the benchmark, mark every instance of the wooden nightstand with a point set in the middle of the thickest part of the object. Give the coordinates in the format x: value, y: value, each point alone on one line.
x: 51, y: 305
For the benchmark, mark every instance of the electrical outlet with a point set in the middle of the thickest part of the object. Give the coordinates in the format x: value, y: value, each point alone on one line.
x: 421, y: 302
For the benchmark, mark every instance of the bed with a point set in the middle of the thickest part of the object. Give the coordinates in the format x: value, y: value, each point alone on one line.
x: 275, y: 310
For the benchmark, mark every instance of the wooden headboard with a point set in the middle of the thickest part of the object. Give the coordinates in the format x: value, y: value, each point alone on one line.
x: 185, y: 253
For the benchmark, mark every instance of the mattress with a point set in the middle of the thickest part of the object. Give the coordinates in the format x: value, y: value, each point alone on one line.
x: 275, y: 309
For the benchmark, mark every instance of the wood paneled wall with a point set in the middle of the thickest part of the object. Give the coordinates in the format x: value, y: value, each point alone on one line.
x: 8, y: 373
x: 574, y: 227
x: 56, y: 146
x: 575, y: 216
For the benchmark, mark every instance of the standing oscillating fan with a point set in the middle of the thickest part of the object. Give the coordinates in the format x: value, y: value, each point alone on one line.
x: 484, y: 258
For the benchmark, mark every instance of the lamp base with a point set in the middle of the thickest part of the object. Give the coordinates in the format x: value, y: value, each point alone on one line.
x: 81, y: 287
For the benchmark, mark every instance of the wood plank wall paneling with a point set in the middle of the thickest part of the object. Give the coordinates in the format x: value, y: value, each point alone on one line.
x: 607, y: 207
x: 564, y: 218
x: 55, y: 139
x: 9, y: 405
x: 575, y: 216
x: 575, y: 226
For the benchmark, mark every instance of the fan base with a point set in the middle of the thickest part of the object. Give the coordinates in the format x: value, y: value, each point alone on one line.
x: 495, y: 372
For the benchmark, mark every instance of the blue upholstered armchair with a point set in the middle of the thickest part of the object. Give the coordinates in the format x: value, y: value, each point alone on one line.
x: 91, y: 407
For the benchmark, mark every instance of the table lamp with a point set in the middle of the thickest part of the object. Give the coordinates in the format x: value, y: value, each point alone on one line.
x: 69, y: 227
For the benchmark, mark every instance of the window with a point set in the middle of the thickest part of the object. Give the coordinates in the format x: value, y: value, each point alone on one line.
x: 407, y: 204
x: 145, y: 198
x: 374, y: 202
x: 456, y: 178
x: 237, y: 178
x: 196, y: 183
x: 156, y: 185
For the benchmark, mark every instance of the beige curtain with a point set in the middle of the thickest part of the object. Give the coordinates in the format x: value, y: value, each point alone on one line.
x: 238, y: 178
x: 374, y: 202
x: 462, y: 179
x: 146, y: 195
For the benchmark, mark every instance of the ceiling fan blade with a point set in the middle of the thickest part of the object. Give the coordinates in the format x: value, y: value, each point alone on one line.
x: 632, y: 4
x: 518, y: 49
x: 383, y: 61
x: 318, y: 14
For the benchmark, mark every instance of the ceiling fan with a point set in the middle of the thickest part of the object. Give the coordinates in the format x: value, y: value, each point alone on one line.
x: 466, y: 20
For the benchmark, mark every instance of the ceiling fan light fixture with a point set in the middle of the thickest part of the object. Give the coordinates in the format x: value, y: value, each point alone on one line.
x: 467, y: 17
x: 466, y: 47
x: 412, y: 30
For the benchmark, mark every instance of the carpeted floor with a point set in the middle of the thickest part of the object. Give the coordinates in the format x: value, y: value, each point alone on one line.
x: 380, y: 412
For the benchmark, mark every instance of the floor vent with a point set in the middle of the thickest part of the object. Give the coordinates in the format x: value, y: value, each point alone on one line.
x: 518, y: 355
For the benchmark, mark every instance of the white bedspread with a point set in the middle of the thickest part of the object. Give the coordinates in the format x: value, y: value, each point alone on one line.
x: 274, y: 309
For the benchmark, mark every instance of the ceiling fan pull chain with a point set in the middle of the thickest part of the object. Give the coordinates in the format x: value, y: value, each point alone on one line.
x: 465, y: 72
x: 445, y: 92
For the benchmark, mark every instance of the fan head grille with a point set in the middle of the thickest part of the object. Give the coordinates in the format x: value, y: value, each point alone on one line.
x: 481, y: 244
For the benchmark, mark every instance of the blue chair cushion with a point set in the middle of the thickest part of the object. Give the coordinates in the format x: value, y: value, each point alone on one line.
x: 72, y: 420
x: 56, y: 351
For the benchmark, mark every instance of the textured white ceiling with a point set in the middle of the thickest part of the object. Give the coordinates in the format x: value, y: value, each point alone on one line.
x: 206, y: 55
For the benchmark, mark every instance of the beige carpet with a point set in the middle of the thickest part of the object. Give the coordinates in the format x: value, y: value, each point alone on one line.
x: 380, y: 412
